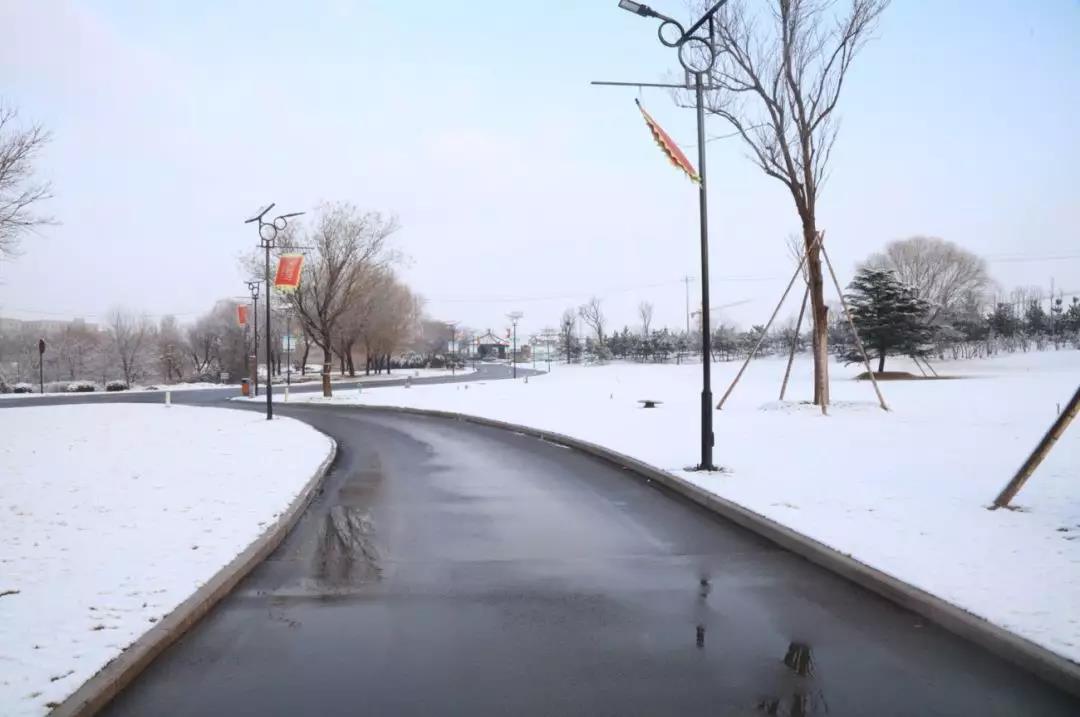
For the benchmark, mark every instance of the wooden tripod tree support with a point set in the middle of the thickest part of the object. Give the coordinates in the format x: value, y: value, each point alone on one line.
x: 1040, y: 452
x: 772, y: 318
x: 794, y: 343
x: 854, y: 331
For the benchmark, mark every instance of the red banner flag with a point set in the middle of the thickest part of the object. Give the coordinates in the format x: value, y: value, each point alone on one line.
x: 241, y: 314
x: 668, y: 146
x: 288, y: 272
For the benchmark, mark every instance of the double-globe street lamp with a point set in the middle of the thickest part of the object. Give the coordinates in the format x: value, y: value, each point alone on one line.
x: 268, y: 232
x: 697, y: 55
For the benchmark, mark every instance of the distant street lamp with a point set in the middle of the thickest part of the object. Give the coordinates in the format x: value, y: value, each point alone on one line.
x: 268, y: 232
x: 697, y: 55
x: 253, y: 287
x: 514, y: 317
x: 451, y: 347
x: 41, y: 365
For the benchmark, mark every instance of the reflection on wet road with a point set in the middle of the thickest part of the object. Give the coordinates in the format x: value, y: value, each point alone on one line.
x: 447, y: 568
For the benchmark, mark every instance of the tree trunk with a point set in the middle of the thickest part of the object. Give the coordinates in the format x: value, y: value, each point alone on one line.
x: 303, y: 359
x: 881, y: 362
x: 388, y: 364
x: 349, y: 363
x: 819, y: 314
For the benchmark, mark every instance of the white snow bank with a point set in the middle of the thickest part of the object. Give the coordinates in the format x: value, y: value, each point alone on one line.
x: 100, y: 390
x: 113, y: 514
x: 905, y: 491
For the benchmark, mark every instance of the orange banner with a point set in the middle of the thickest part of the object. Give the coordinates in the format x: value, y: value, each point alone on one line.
x: 288, y: 272
x: 241, y: 314
x: 668, y: 146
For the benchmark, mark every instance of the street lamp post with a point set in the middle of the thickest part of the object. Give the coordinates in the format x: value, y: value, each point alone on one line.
x: 268, y: 232
x: 514, y: 317
x: 452, y: 346
x: 253, y: 287
x: 697, y: 55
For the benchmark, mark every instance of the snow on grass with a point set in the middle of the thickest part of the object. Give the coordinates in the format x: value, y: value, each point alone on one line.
x: 113, y: 514
x: 100, y: 391
x: 904, y: 491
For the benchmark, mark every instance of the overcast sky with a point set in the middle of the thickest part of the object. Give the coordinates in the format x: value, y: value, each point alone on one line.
x: 518, y: 185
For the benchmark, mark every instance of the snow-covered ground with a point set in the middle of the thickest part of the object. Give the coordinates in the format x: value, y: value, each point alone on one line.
x: 150, y: 388
x: 904, y: 491
x: 113, y: 514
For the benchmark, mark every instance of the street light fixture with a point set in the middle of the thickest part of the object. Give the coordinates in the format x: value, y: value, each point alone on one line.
x: 253, y: 288
x: 268, y: 232
x: 697, y: 55
x: 514, y: 317
x: 452, y: 346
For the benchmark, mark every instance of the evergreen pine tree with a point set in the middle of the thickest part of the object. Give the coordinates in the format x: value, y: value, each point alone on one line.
x: 890, y: 318
x: 1035, y: 318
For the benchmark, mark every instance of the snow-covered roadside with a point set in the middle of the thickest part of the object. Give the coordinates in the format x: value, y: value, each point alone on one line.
x: 152, y: 388
x: 113, y: 514
x: 904, y: 491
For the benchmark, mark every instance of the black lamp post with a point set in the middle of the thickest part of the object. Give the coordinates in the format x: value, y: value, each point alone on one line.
x: 452, y: 346
x: 697, y: 55
x: 514, y: 318
x: 268, y: 232
x: 253, y: 287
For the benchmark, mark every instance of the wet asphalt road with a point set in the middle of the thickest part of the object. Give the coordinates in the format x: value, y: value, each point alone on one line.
x: 447, y: 568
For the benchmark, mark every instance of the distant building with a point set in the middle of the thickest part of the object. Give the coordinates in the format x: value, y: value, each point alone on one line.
x: 43, y: 326
x: 491, y: 345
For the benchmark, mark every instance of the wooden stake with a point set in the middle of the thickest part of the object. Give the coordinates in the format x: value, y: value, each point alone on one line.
x: 918, y: 365
x: 1040, y: 452
x: 854, y: 331
x: 764, y: 333
x: 794, y: 343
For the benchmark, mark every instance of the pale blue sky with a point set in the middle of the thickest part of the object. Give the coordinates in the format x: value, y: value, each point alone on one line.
x: 514, y: 179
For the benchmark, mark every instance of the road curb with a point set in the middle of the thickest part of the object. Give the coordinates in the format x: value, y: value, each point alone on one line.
x: 100, y: 689
x: 1055, y: 669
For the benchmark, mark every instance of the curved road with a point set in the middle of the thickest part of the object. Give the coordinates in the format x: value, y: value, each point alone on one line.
x: 449, y: 568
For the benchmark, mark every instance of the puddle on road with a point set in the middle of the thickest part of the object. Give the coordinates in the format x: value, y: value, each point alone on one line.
x: 346, y: 553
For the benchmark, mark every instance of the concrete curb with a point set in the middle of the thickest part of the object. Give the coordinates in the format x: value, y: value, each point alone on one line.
x: 100, y: 689
x: 1059, y: 671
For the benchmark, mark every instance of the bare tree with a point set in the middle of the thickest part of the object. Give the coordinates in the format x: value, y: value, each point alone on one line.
x: 18, y: 193
x: 939, y: 271
x: 128, y: 333
x: 645, y: 311
x: 593, y: 316
x: 348, y: 245
x: 777, y: 81
x: 75, y: 344
x: 567, y: 327
x: 170, y: 350
x: 393, y: 318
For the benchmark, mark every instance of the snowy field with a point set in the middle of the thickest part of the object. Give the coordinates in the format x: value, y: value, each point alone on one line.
x: 113, y: 514
x: 904, y: 491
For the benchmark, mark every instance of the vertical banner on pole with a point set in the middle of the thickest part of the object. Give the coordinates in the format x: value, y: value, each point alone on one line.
x: 289, y: 268
x: 241, y: 314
